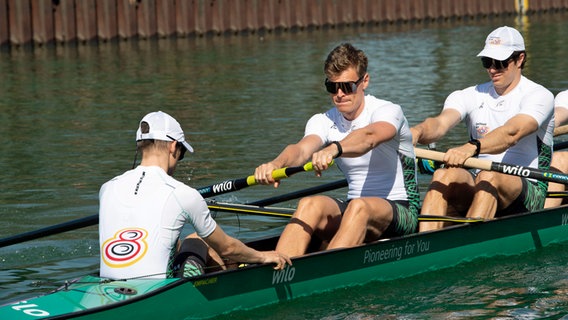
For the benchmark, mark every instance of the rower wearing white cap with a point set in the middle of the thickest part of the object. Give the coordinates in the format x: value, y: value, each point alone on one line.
x: 509, y: 119
x: 143, y: 211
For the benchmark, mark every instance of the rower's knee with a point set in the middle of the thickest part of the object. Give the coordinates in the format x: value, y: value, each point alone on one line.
x: 441, y: 180
x: 309, y: 208
x: 445, y: 175
x: 489, y: 176
x: 356, y: 205
x: 357, y: 209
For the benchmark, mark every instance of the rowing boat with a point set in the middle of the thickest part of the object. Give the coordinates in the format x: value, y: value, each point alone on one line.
x: 215, y: 293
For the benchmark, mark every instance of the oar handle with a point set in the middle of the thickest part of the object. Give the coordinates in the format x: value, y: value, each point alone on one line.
x: 282, y: 173
x: 238, y: 184
x: 439, y: 156
x: 287, y: 172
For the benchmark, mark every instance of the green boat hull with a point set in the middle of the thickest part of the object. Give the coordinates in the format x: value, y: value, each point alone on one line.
x: 257, y: 285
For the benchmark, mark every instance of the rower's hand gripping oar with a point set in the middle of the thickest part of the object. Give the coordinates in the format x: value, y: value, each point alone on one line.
x: 238, y: 184
x: 505, y: 168
x: 428, y: 166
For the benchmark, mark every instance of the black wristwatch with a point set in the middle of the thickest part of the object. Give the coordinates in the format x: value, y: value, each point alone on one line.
x: 477, y: 145
x: 339, y: 148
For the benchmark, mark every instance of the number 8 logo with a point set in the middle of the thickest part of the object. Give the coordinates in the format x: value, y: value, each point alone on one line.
x: 126, y: 248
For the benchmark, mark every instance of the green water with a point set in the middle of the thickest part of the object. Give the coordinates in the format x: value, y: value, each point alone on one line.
x: 68, y: 120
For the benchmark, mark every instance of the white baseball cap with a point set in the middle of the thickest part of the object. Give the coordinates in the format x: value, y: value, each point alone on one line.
x: 501, y: 43
x: 162, y: 127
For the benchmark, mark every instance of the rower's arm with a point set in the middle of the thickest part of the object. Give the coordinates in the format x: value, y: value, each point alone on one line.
x: 434, y: 128
x: 232, y: 248
x: 509, y: 134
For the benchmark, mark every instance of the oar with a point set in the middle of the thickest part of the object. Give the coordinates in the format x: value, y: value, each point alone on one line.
x: 505, y: 168
x: 49, y: 231
x: 238, y: 184
x: 430, y: 217
x: 287, y: 212
x: 251, y: 209
x: 557, y: 194
x: 94, y: 219
x: 426, y: 166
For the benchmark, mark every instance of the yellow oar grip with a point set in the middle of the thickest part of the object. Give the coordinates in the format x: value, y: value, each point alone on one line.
x: 279, y: 174
x: 251, y: 181
x: 310, y: 166
x: 276, y: 175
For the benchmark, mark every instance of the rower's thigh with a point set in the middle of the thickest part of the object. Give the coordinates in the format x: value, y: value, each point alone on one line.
x: 319, y: 212
x: 451, y: 177
x: 456, y: 185
x: 373, y: 212
x: 508, y: 187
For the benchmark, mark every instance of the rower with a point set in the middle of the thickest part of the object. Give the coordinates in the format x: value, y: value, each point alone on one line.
x: 370, y: 140
x: 509, y: 119
x: 143, y: 211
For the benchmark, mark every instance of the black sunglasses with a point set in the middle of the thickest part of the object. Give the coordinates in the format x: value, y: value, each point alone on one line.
x: 497, y: 64
x: 346, y: 87
x: 181, y: 148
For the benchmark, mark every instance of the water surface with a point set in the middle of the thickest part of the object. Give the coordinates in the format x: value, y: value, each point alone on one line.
x: 69, y: 116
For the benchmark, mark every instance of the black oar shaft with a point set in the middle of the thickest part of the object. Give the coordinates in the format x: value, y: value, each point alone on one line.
x: 223, y: 187
x: 48, y: 231
x: 527, y: 172
x: 292, y: 170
